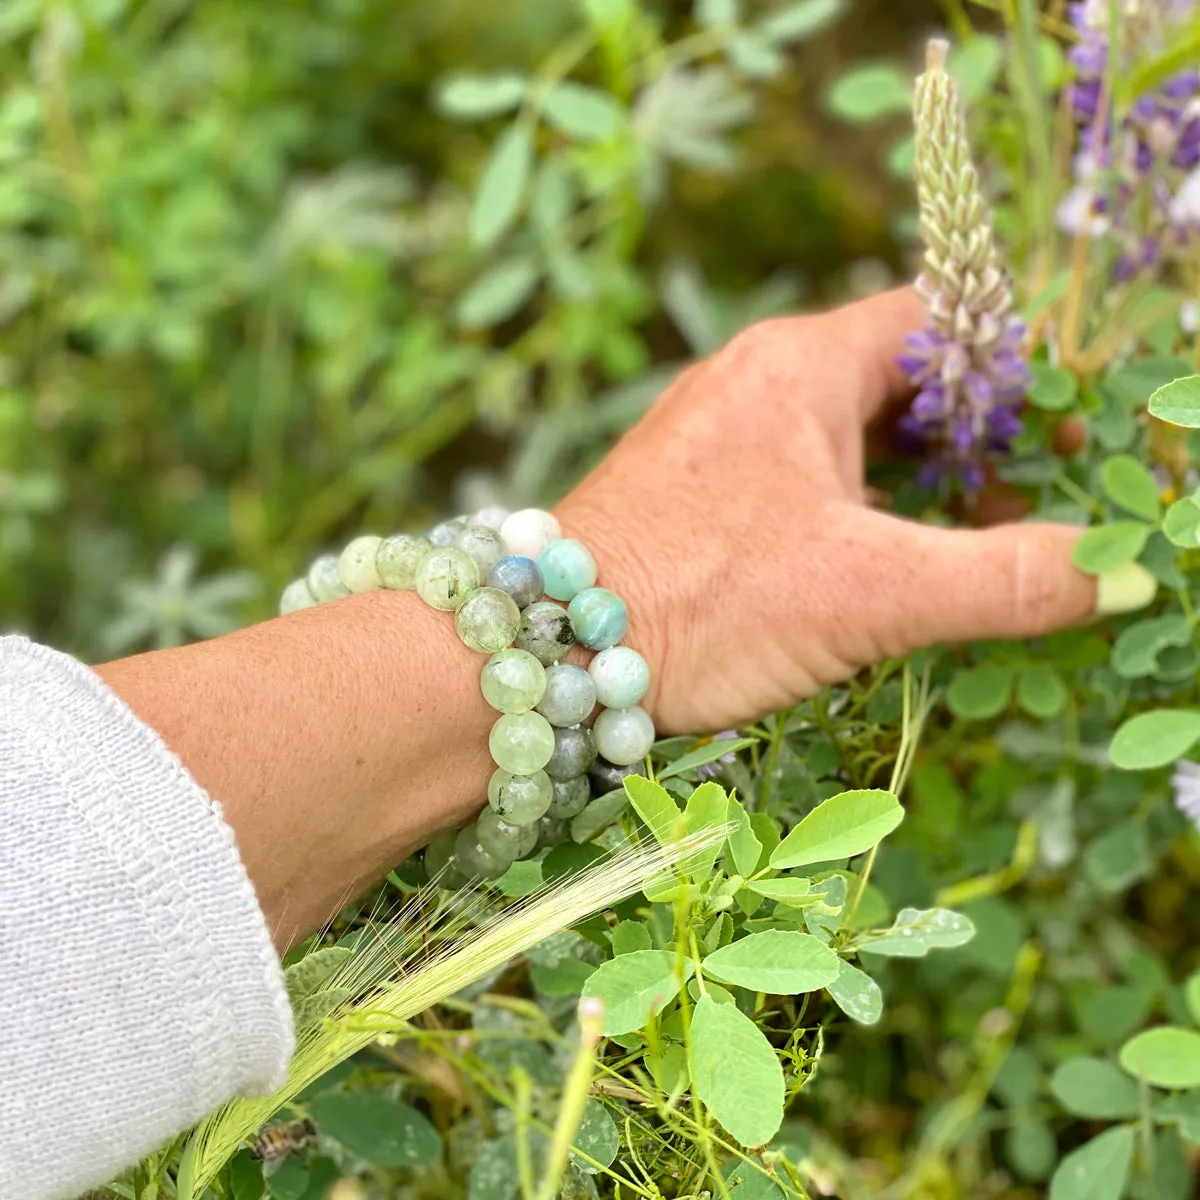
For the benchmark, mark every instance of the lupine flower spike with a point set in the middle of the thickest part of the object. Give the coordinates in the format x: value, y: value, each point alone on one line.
x: 967, y: 361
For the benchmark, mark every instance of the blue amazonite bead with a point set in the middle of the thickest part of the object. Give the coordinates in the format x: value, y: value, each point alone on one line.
x: 621, y: 677
x: 519, y: 577
x: 599, y: 618
x: 567, y: 567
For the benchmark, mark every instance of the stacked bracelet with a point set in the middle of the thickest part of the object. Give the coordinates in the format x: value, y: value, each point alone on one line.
x: 554, y: 777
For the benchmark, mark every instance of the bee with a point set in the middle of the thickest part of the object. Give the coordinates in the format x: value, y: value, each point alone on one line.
x: 276, y: 1142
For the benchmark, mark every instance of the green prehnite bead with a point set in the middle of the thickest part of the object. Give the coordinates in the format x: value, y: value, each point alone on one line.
x: 473, y: 859
x: 487, y: 619
x: 570, y: 695
x: 520, y: 799
x: 552, y: 831
x: 324, y: 581
x: 546, y: 632
x: 482, y: 544
x: 295, y: 597
x: 513, y: 681
x: 567, y: 567
x: 599, y: 618
x: 522, y: 743
x: 574, y: 753
x: 356, y: 564
x: 623, y: 735
x: 439, y: 862
x: 621, y: 677
x: 398, y: 557
x: 502, y: 840
x: 445, y: 533
x: 444, y: 577
x: 570, y: 797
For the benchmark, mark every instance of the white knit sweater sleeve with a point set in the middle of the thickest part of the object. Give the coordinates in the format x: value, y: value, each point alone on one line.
x: 138, y: 984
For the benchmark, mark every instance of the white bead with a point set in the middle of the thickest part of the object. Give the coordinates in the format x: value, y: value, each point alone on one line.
x: 621, y: 677
x: 623, y: 735
x: 356, y: 565
x: 493, y: 517
x: 295, y: 597
x: 530, y: 531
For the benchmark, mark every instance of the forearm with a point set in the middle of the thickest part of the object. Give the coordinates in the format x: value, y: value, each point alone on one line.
x: 337, y: 740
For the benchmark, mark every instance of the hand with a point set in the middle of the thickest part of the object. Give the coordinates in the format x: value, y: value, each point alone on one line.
x: 733, y: 520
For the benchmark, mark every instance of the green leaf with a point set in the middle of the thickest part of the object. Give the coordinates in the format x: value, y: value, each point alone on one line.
x: 1031, y: 1150
x: 1178, y: 402
x: 1167, y: 1057
x: 599, y: 814
x: 1182, y: 523
x: 707, y: 809
x: 494, y: 1173
x: 735, y: 1072
x: 245, y: 1177
x: 1107, y: 546
x: 1118, y: 858
x: 1098, y: 1170
x: 628, y: 936
x: 635, y: 987
x: 1041, y: 691
x: 754, y: 57
x: 1129, y: 485
x: 856, y: 994
x: 980, y: 693
x: 796, y: 21
x: 596, y: 1137
x: 786, y: 891
x: 871, y: 91
x: 702, y: 755
x: 473, y: 97
x: 655, y: 806
x: 744, y: 847
x: 1054, y: 389
x: 1138, y: 646
x: 1094, y: 1088
x: 289, y: 1180
x: 380, y: 1130
x: 749, y: 1181
x: 916, y: 931
x: 1153, y: 739
x: 840, y: 827
x: 307, y: 976
x: 976, y: 65
x: 499, y: 292
x: 583, y: 113
x: 778, y: 961
x: 502, y: 187
x: 563, y: 979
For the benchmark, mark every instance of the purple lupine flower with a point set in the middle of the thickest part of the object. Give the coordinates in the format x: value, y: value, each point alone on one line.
x: 711, y: 770
x: 966, y: 363
x: 1185, y: 784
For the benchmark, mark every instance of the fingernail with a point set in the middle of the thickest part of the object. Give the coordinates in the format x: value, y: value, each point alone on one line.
x: 1124, y: 589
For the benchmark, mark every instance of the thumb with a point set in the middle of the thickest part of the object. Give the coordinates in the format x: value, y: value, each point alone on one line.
x: 1010, y: 581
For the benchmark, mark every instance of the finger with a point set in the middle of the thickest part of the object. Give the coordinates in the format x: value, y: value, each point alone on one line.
x: 1011, y: 581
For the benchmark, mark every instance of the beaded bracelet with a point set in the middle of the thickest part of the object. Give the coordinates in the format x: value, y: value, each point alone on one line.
x: 554, y: 777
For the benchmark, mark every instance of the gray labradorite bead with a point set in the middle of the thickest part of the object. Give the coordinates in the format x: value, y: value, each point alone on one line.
x: 473, y: 860
x: 552, y: 831
x: 570, y: 797
x: 439, y: 862
x: 569, y: 697
x: 607, y: 777
x: 444, y: 533
x: 398, y: 557
x: 487, y: 620
x: 519, y: 577
x: 545, y: 632
x: 574, y: 753
x: 502, y: 840
x: 520, y: 799
x: 482, y: 544
x: 324, y: 581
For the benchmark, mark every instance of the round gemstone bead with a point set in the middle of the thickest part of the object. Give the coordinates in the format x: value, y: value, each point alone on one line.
x: 567, y: 567
x: 621, y: 677
x: 520, y: 799
x: 546, y: 632
x: 439, y: 862
x: 519, y: 577
x: 295, y: 597
x: 445, y: 576
x: 574, y: 753
x: 513, y: 681
x: 530, y: 531
x: 570, y: 695
x: 503, y: 840
x: 493, y: 517
x: 623, y: 735
x: 323, y: 580
x: 487, y: 619
x: 552, y: 831
x: 398, y: 557
x: 606, y: 777
x: 570, y: 797
x: 356, y: 564
x: 599, y: 618
x: 443, y: 534
x: 473, y: 860
x: 482, y: 544
x: 522, y: 743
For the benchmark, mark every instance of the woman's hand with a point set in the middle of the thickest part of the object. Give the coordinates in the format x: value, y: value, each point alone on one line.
x: 733, y: 519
